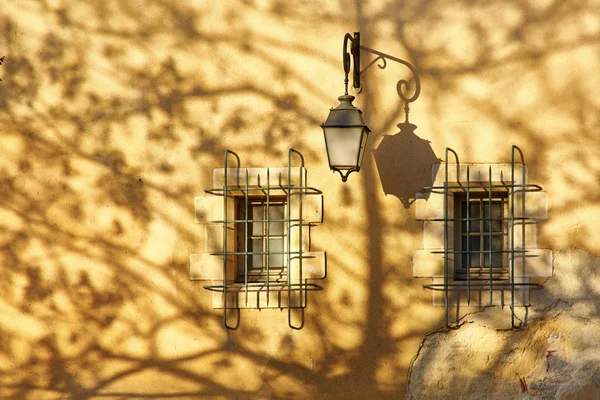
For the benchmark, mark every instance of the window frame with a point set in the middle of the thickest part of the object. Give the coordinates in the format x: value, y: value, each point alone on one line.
x: 244, y: 234
x: 482, y: 197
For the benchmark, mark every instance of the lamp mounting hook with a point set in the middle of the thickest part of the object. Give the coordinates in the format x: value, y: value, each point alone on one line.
x: 355, y: 52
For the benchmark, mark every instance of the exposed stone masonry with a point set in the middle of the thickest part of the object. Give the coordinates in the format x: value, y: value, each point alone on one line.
x: 555, y: 355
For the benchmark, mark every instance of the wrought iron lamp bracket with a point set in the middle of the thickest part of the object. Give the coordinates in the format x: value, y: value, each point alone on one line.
x: 403, y: 86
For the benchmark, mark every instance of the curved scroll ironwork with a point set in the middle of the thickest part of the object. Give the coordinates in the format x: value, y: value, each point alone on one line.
x: 403, y: 87
x: 381, y: 66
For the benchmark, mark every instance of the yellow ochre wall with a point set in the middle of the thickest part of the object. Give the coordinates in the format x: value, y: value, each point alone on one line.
x: 113, y: 115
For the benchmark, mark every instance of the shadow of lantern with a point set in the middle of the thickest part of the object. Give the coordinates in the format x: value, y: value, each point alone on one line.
x: 404, y: 163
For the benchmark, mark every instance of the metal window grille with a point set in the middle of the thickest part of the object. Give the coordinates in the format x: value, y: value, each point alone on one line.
x: 265, y: 218
x: 482, y: 233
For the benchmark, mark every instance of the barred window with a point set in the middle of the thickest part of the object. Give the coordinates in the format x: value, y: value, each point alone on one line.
x: 479, y: 236
x: 255, y: 240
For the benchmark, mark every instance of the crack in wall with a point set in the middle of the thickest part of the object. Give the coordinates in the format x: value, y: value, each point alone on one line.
x: 552, y: 354
x: 421, y: 345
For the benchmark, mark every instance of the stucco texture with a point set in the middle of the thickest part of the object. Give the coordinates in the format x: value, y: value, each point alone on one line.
x: 113, y: 115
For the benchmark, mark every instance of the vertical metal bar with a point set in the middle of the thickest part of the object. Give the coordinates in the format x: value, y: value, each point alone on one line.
x: 266, y: 257
x: 446, y: 294
x: 468, y: 236
x: 289, y: 236
x: 447, y: 251
x: 246, y: 238
x: 512, y: 237
x: 289, y: 224
x: 225, y: 222
x: 523, y: 220
x: 300, y: 247
x: 490, y: 232
x: 225, y: 227
x: 523, y: 217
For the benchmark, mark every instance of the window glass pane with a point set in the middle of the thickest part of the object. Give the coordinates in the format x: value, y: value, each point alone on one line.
x: 474, y: 247
x: 474, y: 243
x: 496, y: 260
x: 496, y: 216
x: 276, y: 260
x: 276, y: 212
x: 496, y: 243
x: 343, y: 146
x: 257, y: 214
x: 496, y: 248
x: 257, y: 259
x: 475, y: 212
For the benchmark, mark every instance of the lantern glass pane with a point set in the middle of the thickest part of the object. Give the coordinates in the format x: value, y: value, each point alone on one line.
x: 363, y: 146
x: 343, y: 146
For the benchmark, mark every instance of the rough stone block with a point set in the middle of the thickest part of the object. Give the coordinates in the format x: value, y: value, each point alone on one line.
x: 313, y: 266
x: 204, y: 266
x: 312, y: 208
x: 525, y: 234
x: 427, y: 264
x: 259, y: 177
x: 433, y: 207
x: 213, y: 239
x: 295, y: 238
x: 531, y: 205
x: 478, y: 173
x: 433, y: 235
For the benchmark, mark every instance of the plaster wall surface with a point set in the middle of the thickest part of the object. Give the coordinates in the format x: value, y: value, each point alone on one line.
x: 114, y: 114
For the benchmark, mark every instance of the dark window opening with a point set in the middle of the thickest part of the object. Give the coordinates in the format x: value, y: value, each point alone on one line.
x: 482, y: 236
x: 261, y: 238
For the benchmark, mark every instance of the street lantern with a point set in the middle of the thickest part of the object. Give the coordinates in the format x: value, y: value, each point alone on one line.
x: 345, y: 137
x: 345, y: 130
